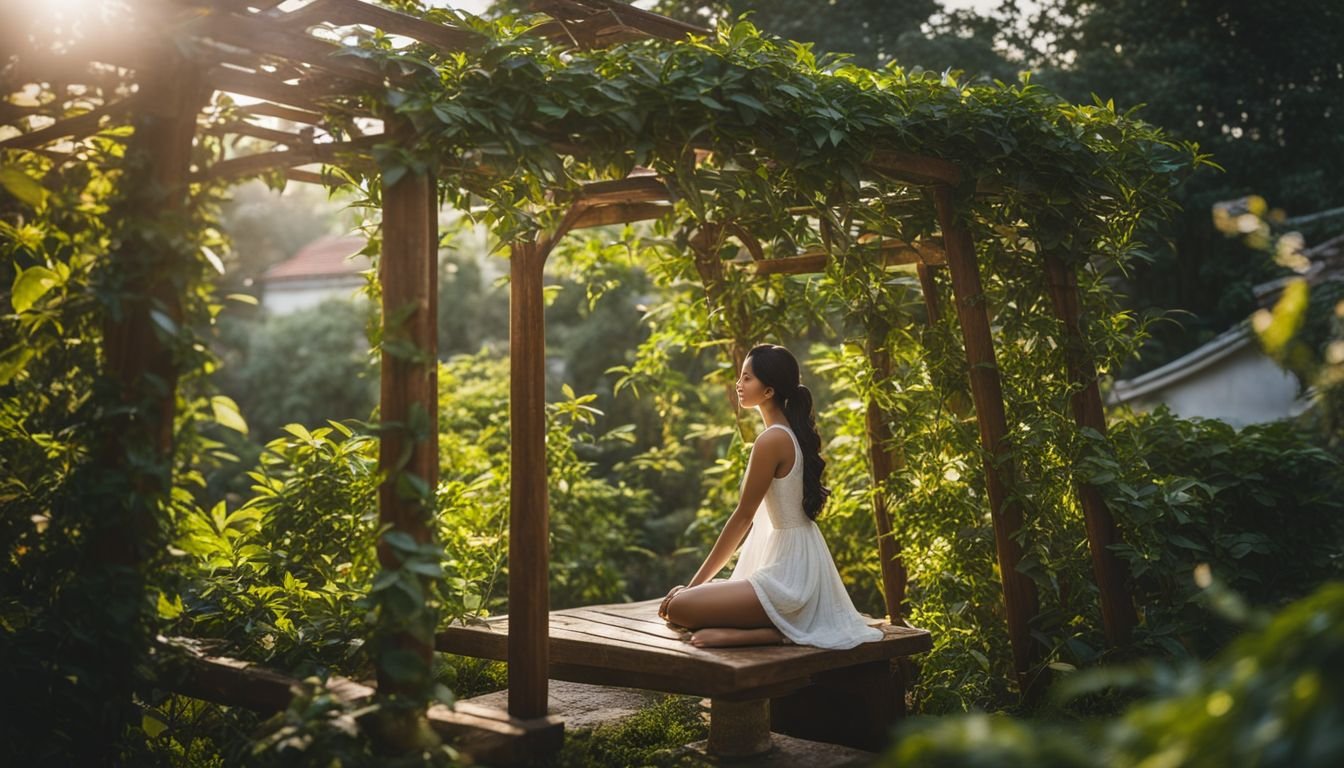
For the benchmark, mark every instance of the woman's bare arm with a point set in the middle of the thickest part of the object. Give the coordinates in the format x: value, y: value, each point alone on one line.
x: 767, y: 453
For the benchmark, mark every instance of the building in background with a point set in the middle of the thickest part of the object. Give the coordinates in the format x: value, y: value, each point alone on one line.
x: 325, y: 268
x: 1230, y: 378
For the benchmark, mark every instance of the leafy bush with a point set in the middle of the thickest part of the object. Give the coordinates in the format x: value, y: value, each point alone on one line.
x: 1262, y: 506
x: 1274, y: 697
x: 648, y: 738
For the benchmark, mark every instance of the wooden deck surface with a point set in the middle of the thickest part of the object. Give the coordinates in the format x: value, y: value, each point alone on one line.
x: 627, y: 644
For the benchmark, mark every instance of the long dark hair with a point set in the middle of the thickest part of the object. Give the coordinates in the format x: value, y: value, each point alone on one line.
x: 777, y: 368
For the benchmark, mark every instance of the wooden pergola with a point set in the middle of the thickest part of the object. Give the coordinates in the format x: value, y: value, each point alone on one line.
x: 288, y: 67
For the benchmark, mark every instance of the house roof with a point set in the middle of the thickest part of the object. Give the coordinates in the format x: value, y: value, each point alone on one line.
x: 1227, y: 343
x: 328, y: 256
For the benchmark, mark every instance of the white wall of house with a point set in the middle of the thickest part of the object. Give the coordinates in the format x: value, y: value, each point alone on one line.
x: 283, y: 297
x: 1228, y: 379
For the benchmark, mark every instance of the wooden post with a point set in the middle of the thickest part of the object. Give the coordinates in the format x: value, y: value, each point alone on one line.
x: 409, y: 400
x: 883, y: 463
x: 529, y: 552
x: 109, y: 631
x: 1117, y: 606
x: 1019, y: 592
x: 930, y: 290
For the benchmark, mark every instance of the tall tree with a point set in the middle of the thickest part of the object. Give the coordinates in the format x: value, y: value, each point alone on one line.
x: 1261, y: 88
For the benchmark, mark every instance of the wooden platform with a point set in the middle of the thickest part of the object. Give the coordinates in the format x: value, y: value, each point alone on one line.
x: 626, y: 644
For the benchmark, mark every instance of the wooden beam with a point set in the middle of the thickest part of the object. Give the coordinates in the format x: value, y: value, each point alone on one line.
x: 529, y: 524
x: 291, y: 140
x: 408, y: 444
x: 266, y: 109
x: 262, y: 87
x: 1117, y: 605
x: 1019, y: 591
x: 923, y: 170
x: 619, y: 14
x: 263, y: 36
x: 632, y: 189
x: 621, y: 213
x: 892, y: 253
x: 251, y: 165
x: 73, y: 128
x: 346, y: 12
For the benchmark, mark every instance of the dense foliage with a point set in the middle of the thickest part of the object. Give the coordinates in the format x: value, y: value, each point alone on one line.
x: 750, y: 133
x: 1272, y: 698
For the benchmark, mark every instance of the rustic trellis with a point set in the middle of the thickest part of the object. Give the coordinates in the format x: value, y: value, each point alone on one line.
x: 291, y: 62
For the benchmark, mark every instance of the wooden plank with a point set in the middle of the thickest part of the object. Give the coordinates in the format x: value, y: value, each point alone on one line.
x: 611, y: 654
x: 529, y: 525
x: 657, y: 628
x: 1117, y: 605
x: 1019, y: 591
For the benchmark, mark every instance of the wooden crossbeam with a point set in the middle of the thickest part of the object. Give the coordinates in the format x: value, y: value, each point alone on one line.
x: 346, y: 12
x: 618, y: 17
x: 267, y: 109
x: 251, y: 165
x: 620, y: 213
x: 632, y: 189
x: 924, y: 170
x: 261, y: 87
x: 74, y: 128
x: 261, y: 132
x: 892, y: 253
x: 261, y: 36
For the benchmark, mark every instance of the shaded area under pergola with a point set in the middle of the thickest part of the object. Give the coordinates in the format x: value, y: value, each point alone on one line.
x: 290, y: 63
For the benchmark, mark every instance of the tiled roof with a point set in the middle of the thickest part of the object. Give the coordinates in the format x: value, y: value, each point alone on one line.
x: 327, y: 256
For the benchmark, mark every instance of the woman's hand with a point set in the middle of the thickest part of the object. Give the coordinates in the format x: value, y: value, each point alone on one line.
x: 662, y: 608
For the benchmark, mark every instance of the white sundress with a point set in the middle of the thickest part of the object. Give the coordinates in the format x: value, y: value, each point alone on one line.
x: 787, y: 563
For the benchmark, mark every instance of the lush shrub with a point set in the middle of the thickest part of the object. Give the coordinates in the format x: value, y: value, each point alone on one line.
x: 1262, y: 506
x: 1274, y: 697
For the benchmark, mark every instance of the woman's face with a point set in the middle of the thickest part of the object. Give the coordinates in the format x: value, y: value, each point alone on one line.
x: 750, y: 391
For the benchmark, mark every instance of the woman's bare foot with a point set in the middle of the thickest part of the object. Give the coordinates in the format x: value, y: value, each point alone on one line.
x: 724, y: 637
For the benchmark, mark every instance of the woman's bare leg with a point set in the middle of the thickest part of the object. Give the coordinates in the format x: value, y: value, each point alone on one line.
x: 718, y: 604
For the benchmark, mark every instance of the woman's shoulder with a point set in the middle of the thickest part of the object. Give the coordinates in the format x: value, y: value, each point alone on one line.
x: 774, y: 439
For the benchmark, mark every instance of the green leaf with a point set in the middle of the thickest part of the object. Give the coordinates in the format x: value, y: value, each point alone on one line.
x: 22, y: 186
x: 227, y: 414
x: 30, y: 285
x: 400, y: 540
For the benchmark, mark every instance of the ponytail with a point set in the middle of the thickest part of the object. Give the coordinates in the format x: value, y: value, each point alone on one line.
x: 798, y: 409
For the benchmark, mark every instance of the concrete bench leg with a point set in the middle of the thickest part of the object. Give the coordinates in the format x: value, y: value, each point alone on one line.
x: 739, y: 728
x: 855, y: 706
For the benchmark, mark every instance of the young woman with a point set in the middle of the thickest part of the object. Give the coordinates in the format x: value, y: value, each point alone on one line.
x: 784, y: 588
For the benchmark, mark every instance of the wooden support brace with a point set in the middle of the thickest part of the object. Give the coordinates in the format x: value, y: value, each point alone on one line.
x: 1117, y: 605
x: 1019, y: 592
